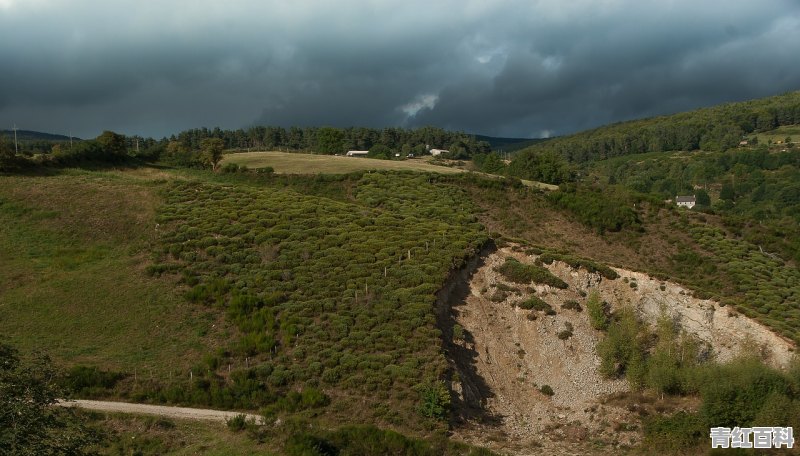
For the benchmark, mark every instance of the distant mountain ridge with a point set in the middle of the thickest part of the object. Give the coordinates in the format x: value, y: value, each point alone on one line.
x: 30, y: 135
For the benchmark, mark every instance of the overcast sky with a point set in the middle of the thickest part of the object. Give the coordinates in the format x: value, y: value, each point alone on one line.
x: 507, y: 68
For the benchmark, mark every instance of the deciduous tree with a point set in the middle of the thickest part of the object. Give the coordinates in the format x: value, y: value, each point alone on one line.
x: 212, y: 151
x: 30, y: 424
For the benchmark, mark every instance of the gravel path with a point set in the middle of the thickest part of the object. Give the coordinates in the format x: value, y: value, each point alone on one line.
x: 159, y: 410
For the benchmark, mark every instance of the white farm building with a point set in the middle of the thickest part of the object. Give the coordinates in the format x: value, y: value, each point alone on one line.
x: 685, y: 201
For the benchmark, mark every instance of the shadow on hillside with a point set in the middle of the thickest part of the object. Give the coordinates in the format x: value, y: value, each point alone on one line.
x: 470, y: 405
x: 31, y: 169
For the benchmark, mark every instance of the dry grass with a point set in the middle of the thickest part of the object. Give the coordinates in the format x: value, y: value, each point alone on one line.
x: 531, y: 217
x: 297, y: 163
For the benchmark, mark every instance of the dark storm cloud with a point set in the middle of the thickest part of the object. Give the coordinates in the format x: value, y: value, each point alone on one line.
x: 517, y: 68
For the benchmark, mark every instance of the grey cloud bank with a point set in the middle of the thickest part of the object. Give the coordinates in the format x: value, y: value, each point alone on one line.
x: 513, y: 68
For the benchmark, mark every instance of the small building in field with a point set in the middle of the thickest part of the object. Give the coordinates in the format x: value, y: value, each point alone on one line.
x: 436, y: 152
x: 685, y: 201
x: 357, y: 153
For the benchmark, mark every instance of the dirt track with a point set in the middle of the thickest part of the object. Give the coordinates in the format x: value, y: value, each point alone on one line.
x: 184, y: 413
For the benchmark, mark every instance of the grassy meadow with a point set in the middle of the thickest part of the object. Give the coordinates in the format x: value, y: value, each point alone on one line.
x: 73, y: 252
x: 780, y: 134
x: 297, y: 163
x: 140, y: 435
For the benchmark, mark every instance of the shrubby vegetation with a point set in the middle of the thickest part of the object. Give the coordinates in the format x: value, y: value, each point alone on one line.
x: 622, y: 350
x: 537, y: 303
x: 572, y: 305
x: 743, y: 392
x: 435, y: 400
x: 332, y: 294
x: 548, y: 257
x: 544, y: 166
x: 87, y: 381
x: 765, y: 288
x: 517, y: 272
x: 369, y: 440
x: 604, y: 209
x: 597, y: 310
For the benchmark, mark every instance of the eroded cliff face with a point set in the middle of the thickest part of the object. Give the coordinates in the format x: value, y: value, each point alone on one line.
x: 505, y: 355
x: 723, y: 329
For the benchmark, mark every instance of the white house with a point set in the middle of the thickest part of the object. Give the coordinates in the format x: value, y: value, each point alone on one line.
x: 685, y: 201
x: 357, y: 153
x: 436, y: 152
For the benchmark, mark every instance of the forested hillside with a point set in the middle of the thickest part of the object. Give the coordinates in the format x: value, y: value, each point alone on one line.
x: 756, y: 189
x: 711, y: 129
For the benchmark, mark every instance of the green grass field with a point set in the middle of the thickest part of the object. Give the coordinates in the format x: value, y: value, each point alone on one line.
x: 780, y: 134
x: 131, y: 434
x: 73, y: 249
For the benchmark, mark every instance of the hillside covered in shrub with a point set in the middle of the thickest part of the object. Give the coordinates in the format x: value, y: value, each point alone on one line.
x: 327, y: 294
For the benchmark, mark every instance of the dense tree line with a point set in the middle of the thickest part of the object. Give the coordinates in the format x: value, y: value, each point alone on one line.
x: 545, y: 166
x: 108, y: 148
x: 329, y: 140
x: 193, y: 148
x: 712, y: 129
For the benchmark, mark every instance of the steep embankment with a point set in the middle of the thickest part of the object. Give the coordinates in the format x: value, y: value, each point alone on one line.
x: 505, y: 355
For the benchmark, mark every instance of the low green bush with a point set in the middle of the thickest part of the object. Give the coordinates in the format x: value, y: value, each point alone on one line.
x: 87, y: 380
x: 369, y: 440
x: 517, y: 272
x: 580, y: 263
x: 535, y: 303
x: 572, y: 305
x: 598, y: 311
x: 237, y: 423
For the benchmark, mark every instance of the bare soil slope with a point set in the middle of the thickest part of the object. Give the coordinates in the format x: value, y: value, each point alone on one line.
x: 507, y: 354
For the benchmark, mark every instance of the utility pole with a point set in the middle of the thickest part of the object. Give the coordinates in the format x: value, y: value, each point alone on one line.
x: 16, y: 148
